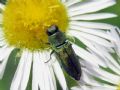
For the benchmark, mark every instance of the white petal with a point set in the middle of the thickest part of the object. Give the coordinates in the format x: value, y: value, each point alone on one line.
x: 2, y: 7
x: 76, y: 88
x: 42, y: 75
x: 85, y: 55
x: 1, y: 18
x: 1, y: 31
x: 3, y: 50
x: 114, y: 32
x: 103, y: 88
x: 26, y: 72
x: 113, y: 67
x: 52, y: 80
x: 46, y: 55
x: 35, y: 72
x: 2, y: 43
x: 49, y: 85
x: 95, y: 32
x: 107, y: 56
x: 88, y: 79
x: 108, y: 63
x: 94, y: 25
x: 104, y: 75
x: 85, y: 87
x: 63, y: 1
x: 40, y: 78
x: 90, y: 4
x: 2, y: 40
x: 96, y: 16
x: 90, y: 46
x: 16, y: 82
x: 91, y: 7
x: 4, y: 60
x: 71, y: 2
x: 60, y: 76
x: 92, y: 38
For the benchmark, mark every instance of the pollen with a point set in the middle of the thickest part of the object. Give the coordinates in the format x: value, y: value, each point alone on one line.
x: 25, y: 22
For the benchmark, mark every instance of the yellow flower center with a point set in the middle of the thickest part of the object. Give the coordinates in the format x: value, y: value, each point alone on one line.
x: 25, y: 22
x: 118, y: 88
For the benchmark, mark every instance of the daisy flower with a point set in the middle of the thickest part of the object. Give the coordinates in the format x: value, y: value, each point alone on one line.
x: 23, y: 25
x: 106, y: 76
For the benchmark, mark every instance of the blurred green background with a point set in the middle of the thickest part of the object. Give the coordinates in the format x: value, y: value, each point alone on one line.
x: 12, y: 63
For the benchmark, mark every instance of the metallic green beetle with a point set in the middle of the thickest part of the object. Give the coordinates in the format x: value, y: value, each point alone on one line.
x: 64, y: 52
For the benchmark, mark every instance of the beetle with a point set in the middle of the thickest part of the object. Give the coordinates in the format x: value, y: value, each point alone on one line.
x: 64, y: 52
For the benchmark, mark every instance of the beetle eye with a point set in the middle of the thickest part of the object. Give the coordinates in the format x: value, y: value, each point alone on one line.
x: 52, y: 29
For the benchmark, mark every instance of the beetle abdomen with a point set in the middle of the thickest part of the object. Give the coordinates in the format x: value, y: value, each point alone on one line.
x: 70, y: 62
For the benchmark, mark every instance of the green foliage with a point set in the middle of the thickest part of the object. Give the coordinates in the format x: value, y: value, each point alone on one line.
x: 9, y: 71
x: 3, y: 1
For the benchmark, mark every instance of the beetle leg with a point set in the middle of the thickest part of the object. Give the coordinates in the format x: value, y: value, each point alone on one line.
x: 50, y: 56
